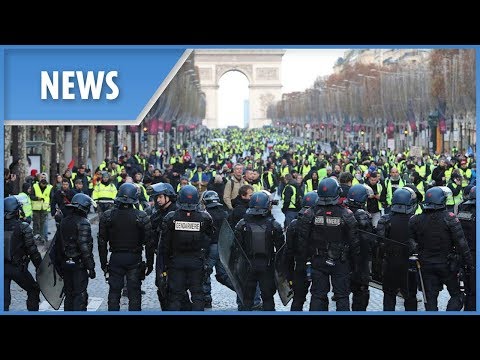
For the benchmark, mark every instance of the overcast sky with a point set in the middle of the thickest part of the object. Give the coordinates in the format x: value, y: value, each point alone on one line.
x: 300, y: 68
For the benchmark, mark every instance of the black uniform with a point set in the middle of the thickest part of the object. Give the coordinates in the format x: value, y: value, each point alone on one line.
x: 186, y: 235
x: 329, y: 233
x: 296, y: 266
x: 162, y: 290
x: 126, y: 230
x: 260, y: 236
x: 219, y: 215
x: 20, y: 248
x: 75, y: 244
x: 438, y: 238
x: 467, y: 216
x: 397, y: 274
x: 360, y: 276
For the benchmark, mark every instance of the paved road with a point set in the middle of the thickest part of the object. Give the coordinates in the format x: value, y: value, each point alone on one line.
x: 223, y: 298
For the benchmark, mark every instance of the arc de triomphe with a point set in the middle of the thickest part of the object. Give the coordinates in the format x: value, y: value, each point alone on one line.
x: 262, y: 69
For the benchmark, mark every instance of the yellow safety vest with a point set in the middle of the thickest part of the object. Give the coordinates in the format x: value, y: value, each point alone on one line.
x: 309, y: 186
x: 448, y: 174
x: 322, y: 173
x: 389, y: 186
x: 419, y: 210
x: 467, y: 174
x: 421, y: 188
x: 38, y: 205
x: 102, y: 191
x: 457, y: 199
x: 257, y: 187
x: 379, y: 188
x: 284, y: 171
x: 27, y: 208
x: 292, y: 204
x: 305, y: 170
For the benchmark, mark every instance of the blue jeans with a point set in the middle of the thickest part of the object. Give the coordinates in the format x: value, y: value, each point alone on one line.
x: 220, y: 273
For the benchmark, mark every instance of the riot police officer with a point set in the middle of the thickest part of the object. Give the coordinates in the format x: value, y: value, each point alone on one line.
x: 214, y: 207
x: 164, y: 199
x: 467, y: 216
x: 260, y: 236
x: 186, y: 233
x: 75, y: 246
x: 296, y: 265
x: 398, y: 272
x: 360, y: 277
x: 437, y: 236
x: 127, y: 231
x: 19, y: 249
x: 328, y: 232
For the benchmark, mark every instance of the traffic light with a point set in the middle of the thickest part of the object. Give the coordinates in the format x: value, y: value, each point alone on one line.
x: 125, y: 148
x: 144, y: 137
x: 406, y: 132
x: 362, y: 132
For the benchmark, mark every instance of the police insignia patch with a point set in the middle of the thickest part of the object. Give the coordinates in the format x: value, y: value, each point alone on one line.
x: 333, y: 221
x: 187, y: 226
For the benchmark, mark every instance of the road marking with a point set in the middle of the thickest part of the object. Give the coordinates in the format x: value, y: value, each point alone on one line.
x: 93, y: 305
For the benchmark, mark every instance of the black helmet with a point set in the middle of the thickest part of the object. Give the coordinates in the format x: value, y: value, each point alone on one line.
x: 310, y: 199
x: 328, y: 191
x: 127, y: 194
x: 211, y: 199
x: 11, y: 207
x: 188, y: 198
x: 472, y: 196
x: 404, y: 201
x: 163, y: 189
x: 259, y: 204
x: 105, y: 175
x: 436, y: 197
x: 82, y: 202
x: 358, y: 194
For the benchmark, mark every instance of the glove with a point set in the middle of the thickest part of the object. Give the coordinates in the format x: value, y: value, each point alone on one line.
x: 149, y: 269
x: 92, y: 274
x: 105, y: 268
x: 469, y: 269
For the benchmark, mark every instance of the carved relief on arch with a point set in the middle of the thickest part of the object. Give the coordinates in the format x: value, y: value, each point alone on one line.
x: 205, y: 74
x: 247, y: 70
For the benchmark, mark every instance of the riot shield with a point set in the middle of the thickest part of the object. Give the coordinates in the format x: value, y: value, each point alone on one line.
x: 48, y: 279
x: 234, y: 260
x: 285, y: 291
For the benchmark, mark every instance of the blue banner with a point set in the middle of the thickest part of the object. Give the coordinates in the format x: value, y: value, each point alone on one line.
x: 83, y: 83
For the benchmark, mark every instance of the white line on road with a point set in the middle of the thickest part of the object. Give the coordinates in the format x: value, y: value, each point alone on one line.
x: 93, y: 305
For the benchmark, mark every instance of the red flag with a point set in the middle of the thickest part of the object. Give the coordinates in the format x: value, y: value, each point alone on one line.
x: 70, y: 164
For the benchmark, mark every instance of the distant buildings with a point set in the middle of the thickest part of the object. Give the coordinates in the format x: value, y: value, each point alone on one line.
x: 382, y: 57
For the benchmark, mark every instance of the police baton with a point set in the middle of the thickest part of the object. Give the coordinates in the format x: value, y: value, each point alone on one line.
x: 415, y: 258
x: 382, y: 237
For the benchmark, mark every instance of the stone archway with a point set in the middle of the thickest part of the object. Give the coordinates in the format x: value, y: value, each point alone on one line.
x: 262, y: 69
